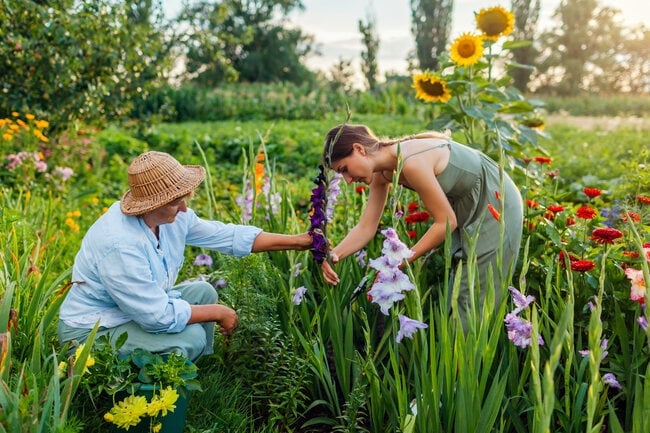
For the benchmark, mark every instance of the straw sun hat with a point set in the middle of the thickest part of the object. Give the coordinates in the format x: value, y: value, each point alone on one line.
x: 156, y: 179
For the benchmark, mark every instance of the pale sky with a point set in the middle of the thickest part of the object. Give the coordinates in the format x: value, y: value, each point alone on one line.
x: 334, y: 25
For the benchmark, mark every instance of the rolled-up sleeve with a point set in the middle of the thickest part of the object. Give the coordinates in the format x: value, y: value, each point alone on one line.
x: 128, y: 280
x: 233, y: 239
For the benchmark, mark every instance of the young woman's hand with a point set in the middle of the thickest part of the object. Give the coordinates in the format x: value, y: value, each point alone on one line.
x: 331, y: 277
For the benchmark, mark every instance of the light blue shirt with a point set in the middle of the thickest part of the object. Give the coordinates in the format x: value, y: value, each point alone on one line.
x: 123, y: 273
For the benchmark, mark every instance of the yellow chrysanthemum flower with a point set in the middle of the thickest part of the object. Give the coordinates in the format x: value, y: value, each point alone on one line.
x: 30, y: 116
x: 163, y: 402
x: 128, y: 412
x: 90, y: 361
x: 156, y: 428
x: 494, y: 22
x: 431, y: 88
x: 63, y: 368
x: 467, y: 49
x: 42, y: 124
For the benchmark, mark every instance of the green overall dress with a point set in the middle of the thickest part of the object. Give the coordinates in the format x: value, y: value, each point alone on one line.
x: 472, y: 181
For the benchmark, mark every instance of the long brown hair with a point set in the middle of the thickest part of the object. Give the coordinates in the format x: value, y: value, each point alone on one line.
x: 340, y: 139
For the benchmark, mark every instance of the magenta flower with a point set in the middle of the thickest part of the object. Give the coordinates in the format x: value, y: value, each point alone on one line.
x: 408, y: 327
x: 203, y: 260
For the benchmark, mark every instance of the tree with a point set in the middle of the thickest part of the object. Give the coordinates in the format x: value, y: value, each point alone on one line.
x: 431, y: 26
x: 243, y: 40
x: 69, y: 60
x: 526, y: 16
x: 581, y: 48
x: 369, y: 65
x: 632, y: 72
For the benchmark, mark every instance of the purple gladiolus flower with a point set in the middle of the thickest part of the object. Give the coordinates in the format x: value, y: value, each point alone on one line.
x: 296, y: 269
x: 610, y: 380
x: 318, y: 219
x: 203, y: 260
x: 361, y: 258
x: 407, y: 327
x: 643, y: 322
x: 393, y: 248
x: 521, y: 301
x: 520, y: 331
x: 333, y: 190
x: 298, y: 295
x: 603, y: 345
x: 220, y: 283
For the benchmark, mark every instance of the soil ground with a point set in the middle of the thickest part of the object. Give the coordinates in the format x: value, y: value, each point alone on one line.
x: 603, y: 123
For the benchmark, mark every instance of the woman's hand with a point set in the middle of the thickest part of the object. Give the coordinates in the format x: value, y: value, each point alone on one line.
x: 227, y: 319
x: 331, y: 277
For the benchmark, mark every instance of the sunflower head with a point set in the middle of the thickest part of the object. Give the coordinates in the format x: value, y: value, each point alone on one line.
x: 467, y: 49
x: 430, y: 88
x: 494, y: 22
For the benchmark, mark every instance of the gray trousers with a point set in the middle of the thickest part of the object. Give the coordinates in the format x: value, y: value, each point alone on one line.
x: 195, y: 340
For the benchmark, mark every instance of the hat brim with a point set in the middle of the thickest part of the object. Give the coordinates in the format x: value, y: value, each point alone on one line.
x: 131, y: 205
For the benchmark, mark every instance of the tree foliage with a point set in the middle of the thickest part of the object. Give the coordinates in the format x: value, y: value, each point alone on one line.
x: 80, y: 59
x: 581, y: 48
x: 370, y: 38
x: 526, y: 16
x: 243, y: 40
x: 431, y: 27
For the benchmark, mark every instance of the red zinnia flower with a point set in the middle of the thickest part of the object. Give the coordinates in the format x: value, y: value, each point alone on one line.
x: 417, y: 217
x: 643, y: 199
x: 592, y: 192
x: 570, y: 221
x: 631, y: 254
x: 582, y: 265
x: 413, y: 206
x: 586, y: 212
x: 360, y: 189
x: 532, y: 203
x: 560, y: 258
x: 555, y: 208
x: 543, y: 159
x: 495, y: 213
x: 412, y: 234
x: 606, y: 235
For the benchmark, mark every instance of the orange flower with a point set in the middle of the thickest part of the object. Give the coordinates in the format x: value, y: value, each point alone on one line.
x: 543, y: 159
x: 495, y: 213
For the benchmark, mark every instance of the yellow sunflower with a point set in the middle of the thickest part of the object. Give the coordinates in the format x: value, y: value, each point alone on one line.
x: 430, y: 88
x: 466, y: 49
x: 495, y: 21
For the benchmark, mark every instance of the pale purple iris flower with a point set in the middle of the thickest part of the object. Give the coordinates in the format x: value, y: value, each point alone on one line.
x: 610, y: 380
x: 298, y: 295
x: 203, y: 260
x: 408, y: 327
